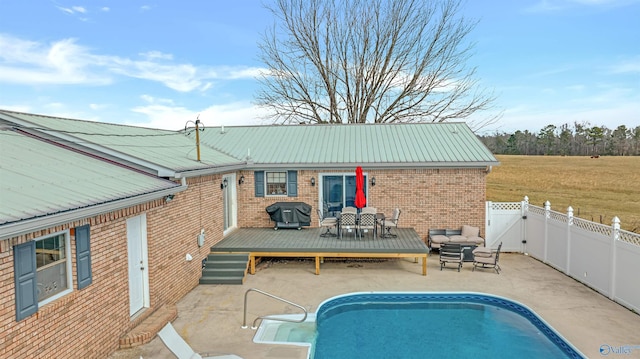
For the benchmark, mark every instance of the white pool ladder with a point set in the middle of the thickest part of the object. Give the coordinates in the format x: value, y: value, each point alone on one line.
x: 253, y: 326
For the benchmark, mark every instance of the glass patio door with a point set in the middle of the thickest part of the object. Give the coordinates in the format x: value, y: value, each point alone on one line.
x: 339, y: 191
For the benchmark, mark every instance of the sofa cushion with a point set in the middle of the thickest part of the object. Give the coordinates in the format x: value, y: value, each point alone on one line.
x: 469, y: 231
x: 457, y: 239
x: 482, y: 252
x: 479, y: 241
x: 439, y: 238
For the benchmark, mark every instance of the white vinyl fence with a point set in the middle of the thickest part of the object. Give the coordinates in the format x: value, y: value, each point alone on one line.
x: 602, y: 257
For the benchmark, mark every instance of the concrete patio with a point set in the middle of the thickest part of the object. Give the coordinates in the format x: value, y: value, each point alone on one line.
x: 210, y: 316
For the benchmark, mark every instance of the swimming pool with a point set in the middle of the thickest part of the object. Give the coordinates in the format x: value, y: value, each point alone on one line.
x: 420, y: 325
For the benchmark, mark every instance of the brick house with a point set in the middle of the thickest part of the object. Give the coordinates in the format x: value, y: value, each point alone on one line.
x: 129, y: 213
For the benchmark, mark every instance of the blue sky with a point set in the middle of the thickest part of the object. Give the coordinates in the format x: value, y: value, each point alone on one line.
x: 162, y: 63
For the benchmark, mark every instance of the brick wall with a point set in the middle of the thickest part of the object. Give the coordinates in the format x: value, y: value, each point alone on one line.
x: 251, y: 209
x: 88, y: 323
x: 428, y: 198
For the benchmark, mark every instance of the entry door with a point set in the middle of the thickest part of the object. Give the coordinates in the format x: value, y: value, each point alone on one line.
x: 138, y: 268
x: 229, y: 203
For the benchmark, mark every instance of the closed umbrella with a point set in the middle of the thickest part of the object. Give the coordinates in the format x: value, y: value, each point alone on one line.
x: 361, y: 200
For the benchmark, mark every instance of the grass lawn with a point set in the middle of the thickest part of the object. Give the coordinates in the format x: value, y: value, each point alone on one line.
x: 598, y: 189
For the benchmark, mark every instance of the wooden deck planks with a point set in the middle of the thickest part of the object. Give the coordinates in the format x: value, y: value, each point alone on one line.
x: 267, y: 242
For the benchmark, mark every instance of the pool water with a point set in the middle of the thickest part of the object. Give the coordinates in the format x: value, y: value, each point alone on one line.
x: 284, y: 332
x: 420, y: 325
x: 296, y: 332
x: 432, y: 325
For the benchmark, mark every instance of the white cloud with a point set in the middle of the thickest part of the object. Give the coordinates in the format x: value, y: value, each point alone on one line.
x: 627, y: 66
x: 558, y: 5
x: 153, y: 55
x: 62, y: 62
x: 179, y: 77
x: 105, y: 9
x: 73, y: 10
x: 65, y: 62
x: 175, y: 117
x: 97, y: 106
x: 154, y: 100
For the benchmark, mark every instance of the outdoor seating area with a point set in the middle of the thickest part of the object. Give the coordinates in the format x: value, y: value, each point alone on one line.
x: 466, y: 235
x: 359, y: 222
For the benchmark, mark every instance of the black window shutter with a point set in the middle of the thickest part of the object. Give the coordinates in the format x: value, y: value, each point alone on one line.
x: 258, y: 179
x: 83, y: 256
x: 24, y: 268
x: 292, y: 183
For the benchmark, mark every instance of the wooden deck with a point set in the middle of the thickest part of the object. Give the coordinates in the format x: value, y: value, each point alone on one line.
x: 307, y: 243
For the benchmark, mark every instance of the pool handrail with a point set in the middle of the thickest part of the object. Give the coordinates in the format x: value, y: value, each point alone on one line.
x: 253, y: 326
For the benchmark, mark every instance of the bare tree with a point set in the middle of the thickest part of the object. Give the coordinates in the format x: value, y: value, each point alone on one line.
x: 358, y: 61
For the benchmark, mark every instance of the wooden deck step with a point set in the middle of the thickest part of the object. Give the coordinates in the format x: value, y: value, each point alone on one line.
x: 225, y: 268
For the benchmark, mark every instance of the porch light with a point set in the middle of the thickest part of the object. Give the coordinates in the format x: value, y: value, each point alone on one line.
x: 168, y: 198
x: 313, y: 181
x: 224, y: 184
x: 373, y: 181
x: 241, y: 180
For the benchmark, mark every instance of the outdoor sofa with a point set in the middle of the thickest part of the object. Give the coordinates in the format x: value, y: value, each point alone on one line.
x: 466, y: 235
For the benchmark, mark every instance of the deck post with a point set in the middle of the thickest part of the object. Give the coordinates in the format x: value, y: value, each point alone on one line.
x: 424, y: 265
x: 317, y: 265
x: 252, y: 265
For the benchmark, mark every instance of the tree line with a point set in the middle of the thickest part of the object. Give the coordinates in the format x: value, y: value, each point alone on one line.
x: 579, y: 139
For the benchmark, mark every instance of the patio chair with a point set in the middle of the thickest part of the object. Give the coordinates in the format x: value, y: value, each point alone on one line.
x: 348, y: 220
x: 367, y: 221
x: 387, y: 223
x: 181, y: 349
x: 486, y: 258
x: 450, y: 253
x: 328, y: 223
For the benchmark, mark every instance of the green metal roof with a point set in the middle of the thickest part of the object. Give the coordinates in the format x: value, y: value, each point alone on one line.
x: 415, y: 145
x: 40, y: 179
x: 153, y: 148
x: 376, y: 145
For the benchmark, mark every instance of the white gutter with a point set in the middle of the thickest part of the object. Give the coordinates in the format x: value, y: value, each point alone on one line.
x: 35, y: 224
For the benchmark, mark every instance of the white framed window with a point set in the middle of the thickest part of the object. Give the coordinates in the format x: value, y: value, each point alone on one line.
x: 53, y: 267
x: 276, y: 183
